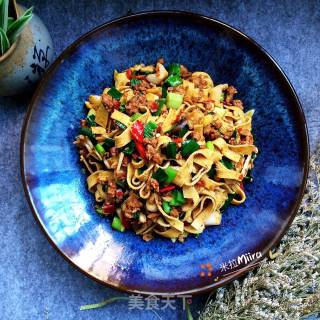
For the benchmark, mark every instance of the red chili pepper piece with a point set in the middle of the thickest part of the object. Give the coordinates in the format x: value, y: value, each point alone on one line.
x: 116, y: 103
x: 140, y: 77
x: 108, y: 208
x: 137, y: 131
x: 167, y: 188
x: 124, y: 220
x: 129, y: 74
x: 141, y: 150
x: 154, y: 107
x: 119, y: 194
x: 177, y: 140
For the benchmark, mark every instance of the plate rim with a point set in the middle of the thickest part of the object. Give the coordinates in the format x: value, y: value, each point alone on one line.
x: 208, y: 20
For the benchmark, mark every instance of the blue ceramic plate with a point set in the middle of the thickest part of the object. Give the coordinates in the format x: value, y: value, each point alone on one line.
x: 55, y: 183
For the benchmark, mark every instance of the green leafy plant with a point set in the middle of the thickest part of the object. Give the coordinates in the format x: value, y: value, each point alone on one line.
x: 10, y: 29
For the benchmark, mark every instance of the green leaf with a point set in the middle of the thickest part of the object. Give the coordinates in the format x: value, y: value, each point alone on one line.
x: 4, y: 42
x: 10, y: 21
x: 4, y: 6
x: 103, y: 303
x: 17, y: 26
x: 188, y: 313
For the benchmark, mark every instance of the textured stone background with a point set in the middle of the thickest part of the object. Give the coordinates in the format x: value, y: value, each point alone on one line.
x: 36, y: 283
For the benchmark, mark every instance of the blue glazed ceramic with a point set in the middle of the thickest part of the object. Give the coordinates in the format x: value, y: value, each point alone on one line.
x: 55, y: 184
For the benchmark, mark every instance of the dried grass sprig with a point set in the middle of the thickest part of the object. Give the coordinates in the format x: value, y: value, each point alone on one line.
x: 287, y: 287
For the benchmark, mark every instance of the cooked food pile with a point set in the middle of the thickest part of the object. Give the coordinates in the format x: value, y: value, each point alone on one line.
x: 166, y: 150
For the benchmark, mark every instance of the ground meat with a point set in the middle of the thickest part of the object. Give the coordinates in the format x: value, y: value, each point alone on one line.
x: 247, y: 140
x: 154, y: 184
x: 178, y: 156
x: 109, y: 102
x: 200, y: 183
x: 174, y: 213
x: 238, y: 103
x: 113, y: 151
x: 184, y: 72
x: 178, y: 89
x: 244, y: 132
x: 131, y: 205
x: 125, y: 161
x: 147, y: 237
x: 217, y: 124
x: 194, y: 117
x: 153, y: 216
x: 211, y: 133
x: 119, y: 194
x: 200, y: 81
x: 164, y: 110
x: 113, y: 162
x: 111, y: 191
x: 153, y: 154
x: 120, y: 174
x: 83, y: 123
x: 134, y: 104
x: 231, y: 91
x: 142, y: 86
x: 152, y: 141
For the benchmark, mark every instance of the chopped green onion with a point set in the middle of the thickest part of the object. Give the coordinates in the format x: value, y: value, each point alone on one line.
x: 116, y: 224
x: 222, y: 97
x: 144, y: 168
x: 210, y: 145
x: 171, y: 174
x: 99, y: 211
x: 234, y: 134
x: 173, y: 80
x: 188, y: 311
x: 129, y: 148
x: 178, y: 198
x: 254, y: 138
x: 108, y: 143
x: 161, y: 103
x: 123, y: 108
x: 174, y: 100
x: 88, y: 132
x: 120, y: 125
x: 174, y: 68
x: 134, y: 82
x: 183, y: 131
x: 248, y: 177
x: 188, y: 147
x: 212, y: 172
x: 227, y: 163
x: 149, y: 127
x: 120, y: 183
x: 100, y: 149
x: 160, y: 175
x: 136, y: 215
x: 114, y: 93
x: 171, y: 150
x: 166, y: 207
x: 135, y: 116
x: 228, y: 201
x: 164, y: 90
x: 91, y: 117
